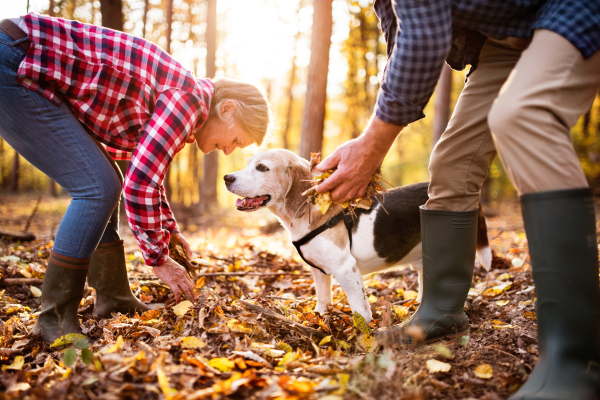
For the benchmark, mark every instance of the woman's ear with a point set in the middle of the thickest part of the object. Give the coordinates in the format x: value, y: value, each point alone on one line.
x: 228, y: 108
x: 299, y: 178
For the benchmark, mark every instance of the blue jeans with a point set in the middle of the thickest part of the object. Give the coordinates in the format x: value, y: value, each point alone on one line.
x: 55, y: 142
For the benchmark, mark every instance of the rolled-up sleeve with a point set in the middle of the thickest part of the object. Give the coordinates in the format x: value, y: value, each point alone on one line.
x: 422, y: 41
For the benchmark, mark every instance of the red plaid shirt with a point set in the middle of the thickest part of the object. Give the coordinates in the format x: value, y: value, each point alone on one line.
x: 131, y: 96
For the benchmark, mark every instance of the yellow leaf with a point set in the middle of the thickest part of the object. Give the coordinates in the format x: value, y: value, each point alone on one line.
x: 372, y: 299
x: 285, y: 347
x: 163, y: 381
x: 288, y: 358
x: 114, y: 347
x: 200, y: 282
x: 325, y: 340
x: 367, y: 342
x: 502, y: 302
x: 530, y: 315
x: 437, y: 366
x: 19, y: 387
x: 401, y: 312
x: 222, y: 364
x: 181, y: 308
x: 192, y: 342
x: 236, y: 326
x: 484, y: 371
x: 496, y: 290
x: 323, y: 201
x: 67, y: 339
x: 343, y: 345
x: 35, y: 291
x: 16, y: 365
x: 179, y: 327
x: 410, y: 294
x: 360, y: 323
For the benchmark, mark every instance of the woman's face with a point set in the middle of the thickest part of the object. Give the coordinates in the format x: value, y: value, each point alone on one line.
x: 216, y: 134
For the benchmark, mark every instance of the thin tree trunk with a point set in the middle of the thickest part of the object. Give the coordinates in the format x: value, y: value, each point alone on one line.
x: 112, y: 14
x: 441, y: 112
x: 167, y: 179
x: 316, y: 91
x: 14, y: 179
x: 208, y: 188
x: 290, y: 96
x: 51, y: 8
x: 145, y: 17
x: 52, y: 187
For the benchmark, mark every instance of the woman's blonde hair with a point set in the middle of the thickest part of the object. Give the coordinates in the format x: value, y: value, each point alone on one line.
x: 252, y: 113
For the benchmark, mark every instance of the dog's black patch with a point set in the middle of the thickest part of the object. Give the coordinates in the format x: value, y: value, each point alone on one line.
x: 398, y: 230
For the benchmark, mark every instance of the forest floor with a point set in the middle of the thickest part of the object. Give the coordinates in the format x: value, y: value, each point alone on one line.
x: 254, y: 334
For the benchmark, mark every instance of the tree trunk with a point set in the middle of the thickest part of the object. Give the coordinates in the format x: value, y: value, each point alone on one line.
x: 51, y: 8
x: 145, y: 17
x: 290, y: 96
x: 112, y: 14
x: 441, y: 112
x: 14, y: 178
x: 169, y: 24
x: 316, y: 90
x: 52, y: 187
x: 208, y: 187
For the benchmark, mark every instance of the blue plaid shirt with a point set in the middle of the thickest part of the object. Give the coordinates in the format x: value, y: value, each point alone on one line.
x: 433, y: 31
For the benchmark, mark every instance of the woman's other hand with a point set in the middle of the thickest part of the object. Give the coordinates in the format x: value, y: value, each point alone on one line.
x: 357, y: 160
x: 185, y: 244
x: 176, y: 277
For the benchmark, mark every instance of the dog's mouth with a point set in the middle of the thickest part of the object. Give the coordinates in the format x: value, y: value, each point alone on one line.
x: 252, y: 203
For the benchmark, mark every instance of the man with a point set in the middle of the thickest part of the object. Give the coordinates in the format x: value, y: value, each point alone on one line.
x: 535, y: 70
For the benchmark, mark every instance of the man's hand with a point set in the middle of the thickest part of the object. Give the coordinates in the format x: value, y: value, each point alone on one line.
x: 356, y: 161
x: 176, y: 277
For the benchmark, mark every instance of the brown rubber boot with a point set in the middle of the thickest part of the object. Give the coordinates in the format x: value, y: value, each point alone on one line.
x: 62, y: 291
x: 108, y: 275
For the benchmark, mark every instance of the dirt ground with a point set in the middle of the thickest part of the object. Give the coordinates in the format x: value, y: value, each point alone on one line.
x: 254, y: 334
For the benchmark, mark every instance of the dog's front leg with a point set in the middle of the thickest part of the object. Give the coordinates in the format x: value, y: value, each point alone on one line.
x: 323, y: 289
x: 351, y: 281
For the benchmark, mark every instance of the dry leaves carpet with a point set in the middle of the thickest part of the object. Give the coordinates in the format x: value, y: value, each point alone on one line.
x: 256, y: 336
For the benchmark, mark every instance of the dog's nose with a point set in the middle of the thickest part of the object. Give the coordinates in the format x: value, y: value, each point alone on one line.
x: 229, y: 179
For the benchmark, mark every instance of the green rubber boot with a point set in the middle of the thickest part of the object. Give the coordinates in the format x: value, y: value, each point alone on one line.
x: 108, y: 275
x: 62, y: 290
x: 449, y: 240
x: 561, y: 232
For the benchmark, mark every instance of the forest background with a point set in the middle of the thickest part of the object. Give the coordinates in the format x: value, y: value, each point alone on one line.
x: 269, y: 43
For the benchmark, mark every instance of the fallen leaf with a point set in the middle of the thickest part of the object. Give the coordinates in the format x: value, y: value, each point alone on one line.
x: 118, y: 344
x: 192, y: 342
x: 35, y: 291
x: 360, y: 323
x: 16, y: 365
x: 367, y: 342
x: 434, y: 366
x: 222, y: 364
x: 182, y: 308
x: 496, y: 290
x: 484, y: 371
x: 502, y: 303
x: 67, y: 339
x: 236, y: 326
x: 410, y: 294
x: 325, y: 340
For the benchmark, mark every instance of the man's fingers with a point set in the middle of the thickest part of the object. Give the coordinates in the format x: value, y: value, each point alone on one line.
x: 329, y: 162
x: 331, y: 182
x: 175, y: 290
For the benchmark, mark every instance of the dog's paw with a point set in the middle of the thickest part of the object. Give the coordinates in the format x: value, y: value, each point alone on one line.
x: 321, y: 307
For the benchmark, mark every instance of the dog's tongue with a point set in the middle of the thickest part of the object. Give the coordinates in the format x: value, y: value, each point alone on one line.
x: 250, y: 202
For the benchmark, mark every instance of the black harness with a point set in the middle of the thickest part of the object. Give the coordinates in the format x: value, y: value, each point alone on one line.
x: 330, y: 224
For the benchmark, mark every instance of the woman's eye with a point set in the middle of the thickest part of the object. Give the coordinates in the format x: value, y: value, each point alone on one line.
x: 261, y: 168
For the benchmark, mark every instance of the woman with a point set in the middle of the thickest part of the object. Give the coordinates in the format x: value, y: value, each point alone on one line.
x: 67, y: 89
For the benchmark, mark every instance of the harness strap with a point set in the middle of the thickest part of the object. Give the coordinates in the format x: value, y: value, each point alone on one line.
x: 348, y: 222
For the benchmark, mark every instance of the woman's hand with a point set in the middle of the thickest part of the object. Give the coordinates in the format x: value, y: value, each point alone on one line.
x: 177, y: 278
x: 185, y: 244
x: 357, y: 160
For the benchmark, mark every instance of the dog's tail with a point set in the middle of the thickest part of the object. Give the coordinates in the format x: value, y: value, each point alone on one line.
x: 484, y: 252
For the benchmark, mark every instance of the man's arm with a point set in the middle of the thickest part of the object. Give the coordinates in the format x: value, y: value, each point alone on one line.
x: 423, y: 39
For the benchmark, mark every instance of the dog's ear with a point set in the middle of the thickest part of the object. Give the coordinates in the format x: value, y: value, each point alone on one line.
x: 299, y: 179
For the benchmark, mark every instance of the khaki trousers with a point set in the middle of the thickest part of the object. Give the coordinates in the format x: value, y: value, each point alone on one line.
x: 530, y: 100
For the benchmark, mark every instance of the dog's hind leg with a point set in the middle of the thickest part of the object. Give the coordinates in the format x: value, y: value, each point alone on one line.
x: 323, y: 289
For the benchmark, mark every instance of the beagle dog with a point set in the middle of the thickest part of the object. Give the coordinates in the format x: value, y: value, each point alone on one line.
x: 382, y: 238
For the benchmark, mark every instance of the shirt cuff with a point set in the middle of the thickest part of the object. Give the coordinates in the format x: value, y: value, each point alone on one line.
x: 397, y: 110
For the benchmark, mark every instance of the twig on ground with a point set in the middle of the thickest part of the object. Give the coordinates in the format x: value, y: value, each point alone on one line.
x: 20, y: 281
x: 23, y: 236
x: 32, y: 214
x: 268, y: 313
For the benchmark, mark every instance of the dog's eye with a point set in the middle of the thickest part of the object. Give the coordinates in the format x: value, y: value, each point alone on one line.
x: 261, y: 168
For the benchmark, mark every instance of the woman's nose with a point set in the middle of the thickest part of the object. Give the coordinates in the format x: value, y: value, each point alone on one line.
x: 228, y: 150
x: 229, y: 179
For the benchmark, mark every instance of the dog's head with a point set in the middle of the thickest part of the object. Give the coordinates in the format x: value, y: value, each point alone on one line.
x: 273, y: 178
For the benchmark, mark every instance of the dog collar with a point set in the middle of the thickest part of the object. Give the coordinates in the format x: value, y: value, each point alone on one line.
x: 348, y: 221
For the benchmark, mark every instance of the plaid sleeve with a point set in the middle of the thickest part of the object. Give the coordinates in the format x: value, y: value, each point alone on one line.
x: 118, y: 155
x: 423, y: 39
x: 175, y: 115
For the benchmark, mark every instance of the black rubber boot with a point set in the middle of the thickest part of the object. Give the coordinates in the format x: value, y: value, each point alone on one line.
x: 561, y: 232
x: 448, y: 260
x: 62, y: 291
x: 108, y: 275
